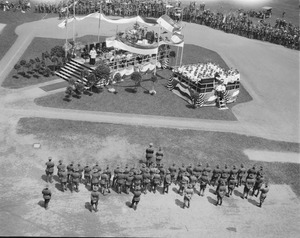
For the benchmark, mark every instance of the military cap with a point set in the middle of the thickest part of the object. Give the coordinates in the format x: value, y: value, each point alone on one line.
x: 151, y: 144
x: 190, y: 185
x: 95, y: 170
x: 95, y: 188
x: 168, y: 171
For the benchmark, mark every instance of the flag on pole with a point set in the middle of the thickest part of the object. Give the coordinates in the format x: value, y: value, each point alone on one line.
x: 167, y: 23
x: 224, y: 19
x: 65, y: 22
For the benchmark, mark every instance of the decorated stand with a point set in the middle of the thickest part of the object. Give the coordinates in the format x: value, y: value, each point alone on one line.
x: 198, y: 83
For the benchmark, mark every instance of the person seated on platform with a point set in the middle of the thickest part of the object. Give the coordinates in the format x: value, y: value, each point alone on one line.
x: 93, y: 54
x: 220, y: 90
x: 156, y: 37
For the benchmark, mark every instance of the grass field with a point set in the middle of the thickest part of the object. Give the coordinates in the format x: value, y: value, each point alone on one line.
x: 113, y: 144
x: 35, y: 49
x: 164, y: 103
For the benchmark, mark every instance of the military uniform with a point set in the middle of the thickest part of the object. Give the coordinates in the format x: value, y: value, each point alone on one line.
x: 241, y: 174
x: 204, y: 180
x: 95, y: 196
x: 183, y: 183
x: 87, y: 174
x: 121, y: 180
x: 198, y: 170
x: 138, y: 178
x: 136, y: 198
x: 248, y: 185
x: 75, y: 179
x: 173, y: 171
x: 149, y: 154
x: 80, y: 171
x: 221, y: 191
x: 104, y: 183
x: 108, y: 172
x: 94, y: 178
x: 258, y: 184
x: 207, y: 169
x: 116, y: 172
x: 63, y: 179
x: 167, y: 182
x: 60, y: 166
x: 263, y: 194
x: 216, y: 175
x: 49, y: 170
x: 188, y: 193
x: 251, y: 171
x: 146, y: 180
x: 129, y: 181
x: 70, y: 168
x: 159, y: 156
x: 156, y: 181
x: 231, y: 184
x: 47, y: 196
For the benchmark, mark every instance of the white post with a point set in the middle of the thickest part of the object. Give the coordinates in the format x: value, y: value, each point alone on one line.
x: 181, y: 56
x: 177, y: 55
x: 66, y: 53
x: 99, y: 23
x: 74, y: 22
x: 157, y: 50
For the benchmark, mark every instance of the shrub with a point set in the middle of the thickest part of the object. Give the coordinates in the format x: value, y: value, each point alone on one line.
x: 57, y: 51
x: 47, y: 72
x: 172, y: 54
x: 117, y: 77
x: 154, y: 78
x: 17, y: 67
x: 102, y: 72
x: 136, y: 77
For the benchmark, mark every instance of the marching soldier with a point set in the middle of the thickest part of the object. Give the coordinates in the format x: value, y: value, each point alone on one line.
x: 173, y: 171
x: 181, y: 171
x: 108, y: 172
x: 70, y: 168
x: 96, y: 166
x: 47, y: 196
x: 104, y: 183
x: 75, y: 179
x: 159, y: 156
x: 156, y: 181
x: 204, y: 180
x: 193, y: 179
x: 207, y: 169
x: 188, y: 193
x: 241, y: 174
x: 251, y: 171
x: 183, y: 183
x: 87, y: 174
x: 136, y: 197
x: 143, y: 167
x: 162, y: 172
x: 80, y: 171
x: 120, y: 181
x: 216, y: 175
x: 49, y: 169
x: 260, y: 172
x: 126, y: 169
x: 221, y: 191
x: 146, y: 180
x: 116, y: 172
x: 95, y: 178
x: 95, y: 195
x: 138, y: 178
x: 198, y: 170
x: 231, y: 184
x: 234, y: 171
x: 189, y: 168
x: 149, y: 154
x: 129, y: 181
x: 258, y: 184
x: 226, y: 171
x: 60, y: 166
x: 63, y: 179
x: 167, y: 181
x: 263, y: 194
x: 248, y: 185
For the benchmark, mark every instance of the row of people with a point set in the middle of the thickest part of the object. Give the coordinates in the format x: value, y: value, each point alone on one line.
x: 150, y: 178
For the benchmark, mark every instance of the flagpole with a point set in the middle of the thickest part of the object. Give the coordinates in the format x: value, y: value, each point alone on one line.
x: 99, y: 24
x: 74, y: 21
x: 66, y: 53
x: 157, y: 49
x: 181, y: 56
x: 177, y: 55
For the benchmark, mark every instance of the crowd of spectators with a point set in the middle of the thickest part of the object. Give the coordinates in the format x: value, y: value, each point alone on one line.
x: 236, y: 22
x: 19, y: 5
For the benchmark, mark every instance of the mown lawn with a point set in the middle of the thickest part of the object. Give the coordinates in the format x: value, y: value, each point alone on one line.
x: 36, y: 48
x: 118, y: 144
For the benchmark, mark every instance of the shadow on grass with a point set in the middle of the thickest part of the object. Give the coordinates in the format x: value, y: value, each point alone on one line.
x: 15, y: 77
x: 212, y: 191
x: 88, y: 206
x: 58, y: 187
x: 175, y: 190
x: 56, y: 178
x: 253, y: 202
x: 44, y: 177
x: 237, y: 193
x: 67, y: 99
x: 36, y: 76
x: 128, y: 204
x: 41, y: 203
x: 179, y: 203
x: 190, y: 106
x: 211, y: 200
x: 131, y: 90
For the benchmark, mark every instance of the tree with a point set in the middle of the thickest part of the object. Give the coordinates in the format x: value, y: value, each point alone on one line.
x: 28, y: 66
x: 54, y: 60
x: 137, y: 78
x: 172, y: 56
x: 102, y: 72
